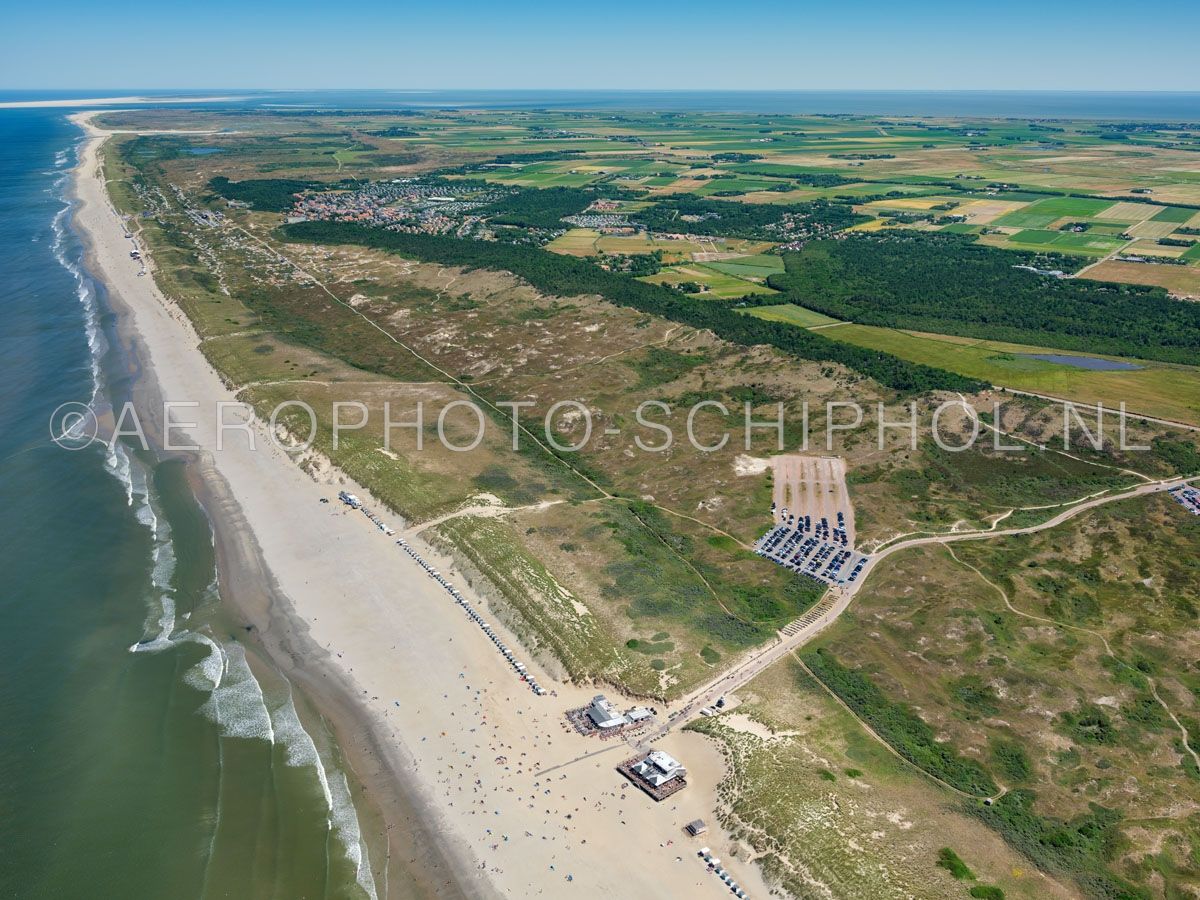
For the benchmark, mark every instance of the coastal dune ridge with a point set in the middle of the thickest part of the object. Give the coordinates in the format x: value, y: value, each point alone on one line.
x: 444, y: 743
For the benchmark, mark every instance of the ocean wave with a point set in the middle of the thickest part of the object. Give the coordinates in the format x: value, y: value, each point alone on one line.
x: 118, y: 464
x: 235, y: 703
x: 346, y: 827
x: 301, y: 751
x: 70, y: 257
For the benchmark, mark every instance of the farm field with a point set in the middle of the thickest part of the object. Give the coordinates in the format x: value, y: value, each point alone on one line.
x: 1169, y: 392
x: 791, y: 314
x: 1183, y: 281
x: 1065, y: 242
x: 715, y: 281
x: 587, y: 242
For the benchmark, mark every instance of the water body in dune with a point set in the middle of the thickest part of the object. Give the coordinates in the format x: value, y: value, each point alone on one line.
x: 1095, y: 363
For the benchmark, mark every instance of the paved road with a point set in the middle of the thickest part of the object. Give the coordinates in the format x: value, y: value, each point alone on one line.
x: 835, y: 602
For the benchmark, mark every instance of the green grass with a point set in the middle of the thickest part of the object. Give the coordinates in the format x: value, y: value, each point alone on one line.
x: 791, y: 314
x: 1169, y: 391
x: 1067, y: 241
x: 1173, y: 214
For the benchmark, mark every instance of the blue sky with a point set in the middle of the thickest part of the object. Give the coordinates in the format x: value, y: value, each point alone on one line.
x: 1019, y: 45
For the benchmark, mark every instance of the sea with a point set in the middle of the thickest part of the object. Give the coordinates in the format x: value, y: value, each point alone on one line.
x: 146, y: 749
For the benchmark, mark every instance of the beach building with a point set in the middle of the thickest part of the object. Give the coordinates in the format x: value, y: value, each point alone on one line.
x: 602, y: 718
x: 696, y: 827
x: 603, y: 714
x: 657, y: 773
x: 658, y: 768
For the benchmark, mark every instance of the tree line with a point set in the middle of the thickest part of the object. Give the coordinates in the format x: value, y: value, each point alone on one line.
x: 567, y: 276
x: 946, y: 283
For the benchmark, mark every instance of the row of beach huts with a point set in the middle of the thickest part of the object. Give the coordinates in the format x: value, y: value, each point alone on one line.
x: 519, y: 667
x: 714, y: 866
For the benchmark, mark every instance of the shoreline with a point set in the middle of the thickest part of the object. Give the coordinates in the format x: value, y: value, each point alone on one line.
x: 249, y: 590
x: 379, y: 647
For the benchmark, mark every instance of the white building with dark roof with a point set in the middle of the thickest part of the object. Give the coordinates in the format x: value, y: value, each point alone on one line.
x: 658, y: 768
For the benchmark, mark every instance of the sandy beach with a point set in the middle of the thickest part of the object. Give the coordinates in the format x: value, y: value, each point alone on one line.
x: 492, y: 791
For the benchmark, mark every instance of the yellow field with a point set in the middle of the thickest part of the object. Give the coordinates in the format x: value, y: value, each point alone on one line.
x: 918, y: 203
x: 576, y: 242
x: 980, y: 212
x: 1183, y: 281
x: 587, y: 242
x: 1129, y: 212
x: 873, y: 225
x: 1188, y: 192
x: 1152, y: 248
x: 1152, y: 229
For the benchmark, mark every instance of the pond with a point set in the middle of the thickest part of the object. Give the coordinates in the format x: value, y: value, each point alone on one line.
x: 1094, y: 363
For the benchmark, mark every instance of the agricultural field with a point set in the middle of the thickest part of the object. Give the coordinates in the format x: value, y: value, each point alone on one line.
x: 711, y: 279
x: 792, y: 315
x: 1182, y: 281
x: 586, y: 242
x: 1153, y: 389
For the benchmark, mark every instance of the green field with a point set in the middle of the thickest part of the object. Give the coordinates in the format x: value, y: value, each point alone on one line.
x: 1173, y: 214
x: 791, y: 314
x: 1043, y: 212
x: 1067, y: 241
x: 749, y: 266
x: 1168, y: 391
x: 718, y: 284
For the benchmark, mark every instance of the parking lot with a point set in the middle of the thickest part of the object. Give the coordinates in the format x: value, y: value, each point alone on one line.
x: 813, y: 533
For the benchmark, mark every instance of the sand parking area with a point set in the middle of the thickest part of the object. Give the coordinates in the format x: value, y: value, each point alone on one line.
x: 814, y: 486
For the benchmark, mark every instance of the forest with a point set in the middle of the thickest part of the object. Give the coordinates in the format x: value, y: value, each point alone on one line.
x: 567, y: 276
x: 947, y: 284
x: 534, y: 208
x: 266, y: 194
x: 756, y: 221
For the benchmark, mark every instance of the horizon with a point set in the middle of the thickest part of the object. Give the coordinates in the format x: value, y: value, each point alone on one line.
x: 246, y: 92
x: 934, y: 45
